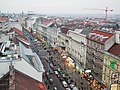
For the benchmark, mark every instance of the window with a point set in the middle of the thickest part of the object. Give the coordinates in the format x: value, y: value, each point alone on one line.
x: 116, y: 66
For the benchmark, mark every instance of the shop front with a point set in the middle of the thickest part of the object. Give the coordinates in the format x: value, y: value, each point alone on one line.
x: 79, y: 68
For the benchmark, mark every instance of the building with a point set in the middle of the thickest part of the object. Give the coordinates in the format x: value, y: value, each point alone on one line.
x: 74, y: 43
x: 48, y: 31
x: 97, y: 41
x: 77, y: 46
x: 4, y: 24
x: 20, y: 68
x: 111, y: 67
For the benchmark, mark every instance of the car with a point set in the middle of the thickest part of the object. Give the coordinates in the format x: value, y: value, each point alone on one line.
x: 64, y: 83
x: 55, y: 88
x: 50, y: 80
x: 51, y: 66
x: 55, y: 63
x: 71, y: 86
x: 69, y: 81
x: 90, y: 77
x: 63, y: 75
x: 50, y: 71
x: 59, y: 69
x: 61, y: 79
x: 56, y: 72
x: 58, y: 76
x: 68, y: 88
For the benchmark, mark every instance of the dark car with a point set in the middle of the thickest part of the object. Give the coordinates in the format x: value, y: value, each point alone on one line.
x: 50, y: 79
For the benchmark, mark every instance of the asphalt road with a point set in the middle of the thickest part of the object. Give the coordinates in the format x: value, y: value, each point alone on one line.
x: 42, y: 53
x: 80, y: 82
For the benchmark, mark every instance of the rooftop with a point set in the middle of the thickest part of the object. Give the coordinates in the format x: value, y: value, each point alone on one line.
x: 99, y: 36
x: 3, y: 19
x: 115, y: 49
x: 22, y: 82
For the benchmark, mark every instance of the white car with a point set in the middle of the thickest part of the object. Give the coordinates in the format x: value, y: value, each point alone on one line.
x: 56, y: 72
x: 72, y: 85
x: 67, y: 89
x: 65, y: 84
x: 55, y: 88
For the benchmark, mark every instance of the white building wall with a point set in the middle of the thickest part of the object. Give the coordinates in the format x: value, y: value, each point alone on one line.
x: 110, y: 42
x: 4, y: 26
x: 78, y: 50
x: 74, y: 46
x: 52, y: 36
x: 16, y: 25
x: 27, y: 69
x: 117, y: 37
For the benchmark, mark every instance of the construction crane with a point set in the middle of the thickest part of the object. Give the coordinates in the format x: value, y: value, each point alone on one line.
x: 106, y: 11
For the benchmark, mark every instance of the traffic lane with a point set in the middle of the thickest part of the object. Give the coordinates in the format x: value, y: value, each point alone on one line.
x: 57, y: 82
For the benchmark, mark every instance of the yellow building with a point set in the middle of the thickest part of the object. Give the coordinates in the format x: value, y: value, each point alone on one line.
x: 111, y: 67
x: 115, y: 87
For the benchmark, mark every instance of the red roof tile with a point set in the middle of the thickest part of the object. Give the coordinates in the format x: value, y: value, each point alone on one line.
x: 4, y: 19
x: 115, y: 49
x: 24, y: 82
x: 21, y: 82
x: 17, y: 31
x: 99, y: 36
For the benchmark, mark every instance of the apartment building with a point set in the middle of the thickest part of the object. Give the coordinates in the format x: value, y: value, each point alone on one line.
x: 18, y: 64
x: 4, y: 24
x: 97, y: 41
x: 111, y: 66
x: 48, y: 31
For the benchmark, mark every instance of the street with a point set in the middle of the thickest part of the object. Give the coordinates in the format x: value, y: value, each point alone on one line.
x: 70, y: 73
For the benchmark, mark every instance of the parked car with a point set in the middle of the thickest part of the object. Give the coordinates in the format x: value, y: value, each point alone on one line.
x: 55, y: 88
x: 50, y: 71
x: 59, y: 76
x: 71, y: 86
x: 50, y: 80
x: 68, y: 88
x: 64, y: 83
x: 61, y: 79
x: 51, y: 66
x: 56, y: 72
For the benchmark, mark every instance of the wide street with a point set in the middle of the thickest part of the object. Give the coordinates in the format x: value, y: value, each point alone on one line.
x: 69, y: 73
x: 38, y: 47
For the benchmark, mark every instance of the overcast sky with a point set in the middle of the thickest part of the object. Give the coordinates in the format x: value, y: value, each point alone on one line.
x: 60, y: 6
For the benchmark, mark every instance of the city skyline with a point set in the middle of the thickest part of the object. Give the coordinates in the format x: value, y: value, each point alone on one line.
x: 61, y: 6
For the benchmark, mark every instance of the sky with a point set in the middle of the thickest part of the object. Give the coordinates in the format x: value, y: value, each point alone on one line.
x: 61, y: 6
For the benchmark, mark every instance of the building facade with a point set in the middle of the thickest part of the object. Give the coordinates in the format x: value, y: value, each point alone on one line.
x: 4, y: 24
x: 111, y: 66
x: 97, y: 41
x: 48, y: 32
